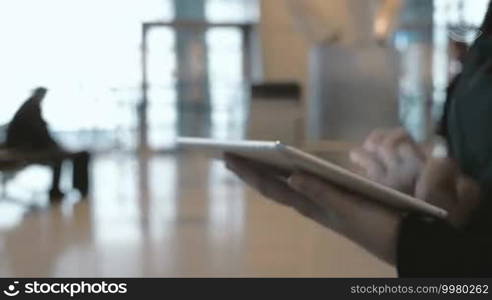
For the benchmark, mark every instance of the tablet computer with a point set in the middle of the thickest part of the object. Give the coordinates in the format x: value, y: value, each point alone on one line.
x: 292, y: 159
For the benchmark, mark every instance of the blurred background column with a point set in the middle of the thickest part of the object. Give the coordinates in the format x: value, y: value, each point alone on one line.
x: 352, y: 79
x: 414, y: 41
x: 192, y: 85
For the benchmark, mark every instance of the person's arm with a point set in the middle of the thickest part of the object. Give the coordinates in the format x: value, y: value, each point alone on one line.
x: 429, y: 247
x: 38, y: 128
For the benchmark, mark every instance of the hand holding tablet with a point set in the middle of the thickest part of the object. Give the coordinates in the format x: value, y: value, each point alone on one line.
x: 289, y: 159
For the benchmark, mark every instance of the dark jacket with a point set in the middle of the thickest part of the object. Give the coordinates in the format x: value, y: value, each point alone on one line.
x: 429, y: 247
x: 28, y: 131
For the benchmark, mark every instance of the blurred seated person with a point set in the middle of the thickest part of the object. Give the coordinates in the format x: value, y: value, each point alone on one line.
x: 28, y: 135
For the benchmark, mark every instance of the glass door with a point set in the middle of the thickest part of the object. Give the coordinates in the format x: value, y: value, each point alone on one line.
x: 195, y: 73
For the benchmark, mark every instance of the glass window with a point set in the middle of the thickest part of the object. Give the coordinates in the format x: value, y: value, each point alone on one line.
x: 232, y: 11
x: 85, y: 51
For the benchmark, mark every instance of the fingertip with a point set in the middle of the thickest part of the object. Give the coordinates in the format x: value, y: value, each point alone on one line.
x: 374, y: 139
x: 296, y: 181
x: 305, y: 183
x: 354, y: 155
x: 369, y: 146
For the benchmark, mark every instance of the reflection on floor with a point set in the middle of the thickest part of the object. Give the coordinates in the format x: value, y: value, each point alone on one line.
x: 172, y: 215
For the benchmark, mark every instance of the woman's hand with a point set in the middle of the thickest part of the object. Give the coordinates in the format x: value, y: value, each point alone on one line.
x: 442, y: 184
x: 390, y: 157
x: 393, y: 158
x: 367, y: 223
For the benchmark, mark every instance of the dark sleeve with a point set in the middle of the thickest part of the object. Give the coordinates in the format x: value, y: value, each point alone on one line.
x: 41, y: 135
x: 442, y: 124
x: 428, y: 247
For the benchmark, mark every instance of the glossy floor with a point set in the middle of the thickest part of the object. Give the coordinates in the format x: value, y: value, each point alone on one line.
x: 170, y: 215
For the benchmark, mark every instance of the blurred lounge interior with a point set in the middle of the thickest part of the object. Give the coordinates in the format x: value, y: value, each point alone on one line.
x: 126, y: 78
